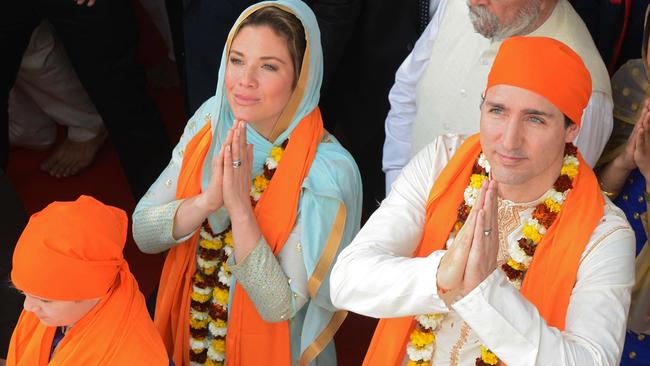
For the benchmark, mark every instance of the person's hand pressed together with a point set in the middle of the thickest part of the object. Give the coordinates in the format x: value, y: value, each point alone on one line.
x: 472, y: 255
x: 482, y: 258
x: 635, y: 155
x: 237, y: 167
x: 642, y: 146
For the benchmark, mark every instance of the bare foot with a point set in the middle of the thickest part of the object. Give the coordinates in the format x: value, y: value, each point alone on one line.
x: 71, y: 157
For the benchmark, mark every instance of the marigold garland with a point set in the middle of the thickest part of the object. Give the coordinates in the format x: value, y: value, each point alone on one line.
x: 421, y: 345
x: 211, y: 281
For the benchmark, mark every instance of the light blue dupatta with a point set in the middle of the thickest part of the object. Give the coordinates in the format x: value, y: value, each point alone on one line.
x: 329, y: 210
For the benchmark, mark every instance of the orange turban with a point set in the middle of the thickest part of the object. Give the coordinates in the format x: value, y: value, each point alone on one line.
x: 70, y: 250
x: 546, y: 67
x: 73, y: 251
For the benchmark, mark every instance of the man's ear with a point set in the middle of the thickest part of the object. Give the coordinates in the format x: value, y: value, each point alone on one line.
x: 571, y: 132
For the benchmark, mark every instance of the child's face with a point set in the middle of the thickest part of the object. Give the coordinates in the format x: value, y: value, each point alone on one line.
x: 57, y: 313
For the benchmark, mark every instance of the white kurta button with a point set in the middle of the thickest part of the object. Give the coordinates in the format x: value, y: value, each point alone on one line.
x: 299, y: 247
x: 446, y: 126
x: 463, y: 93
x: 168, y: 183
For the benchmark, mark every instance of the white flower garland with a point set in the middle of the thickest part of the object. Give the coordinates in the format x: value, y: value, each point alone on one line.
x: 220, y: 247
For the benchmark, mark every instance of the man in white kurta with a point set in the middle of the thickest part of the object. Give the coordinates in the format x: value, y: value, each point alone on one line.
x: 438, y: 87
x: 377, y: 275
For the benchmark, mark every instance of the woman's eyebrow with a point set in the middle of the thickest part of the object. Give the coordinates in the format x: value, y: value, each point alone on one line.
x: 272, y: 58
x: 233, y: 51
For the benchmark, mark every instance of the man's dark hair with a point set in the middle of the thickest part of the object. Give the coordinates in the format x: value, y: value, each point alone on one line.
x: 567, y: 121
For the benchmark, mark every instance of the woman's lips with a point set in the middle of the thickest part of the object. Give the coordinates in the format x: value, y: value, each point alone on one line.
x: 245, y: 100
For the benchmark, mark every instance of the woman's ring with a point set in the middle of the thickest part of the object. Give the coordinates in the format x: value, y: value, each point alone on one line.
x: 487, y: 231
x: 236, y: 163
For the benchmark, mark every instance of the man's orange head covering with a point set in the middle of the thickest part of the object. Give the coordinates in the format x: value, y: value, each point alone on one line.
x: 70, y: 250
x: 547, y: 67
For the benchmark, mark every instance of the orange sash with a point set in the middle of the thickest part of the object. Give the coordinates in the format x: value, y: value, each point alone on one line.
x: 250, y: 339
x: 550, y: 278
x: 117, y: 331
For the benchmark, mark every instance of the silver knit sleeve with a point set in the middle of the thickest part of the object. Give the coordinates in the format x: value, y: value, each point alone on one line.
x: 261, y: 275
x: 153, y: 227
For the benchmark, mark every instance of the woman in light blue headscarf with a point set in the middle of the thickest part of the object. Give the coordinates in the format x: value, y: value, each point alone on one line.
x: 254, y: 206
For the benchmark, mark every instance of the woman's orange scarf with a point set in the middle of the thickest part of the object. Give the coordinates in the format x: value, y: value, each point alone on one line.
x: 550, y: 278
x: 117, y: 331
x: 250, y: 339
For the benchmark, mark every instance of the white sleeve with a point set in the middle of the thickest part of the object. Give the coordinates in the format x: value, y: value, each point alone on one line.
x: 511, y: 327
x: 400, y: 118
x: 597, y: 124
x: 375, y: 275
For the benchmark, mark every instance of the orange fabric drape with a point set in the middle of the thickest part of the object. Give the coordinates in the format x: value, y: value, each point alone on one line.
x: 73, y: 251
x: 118, y: 331
x: 551, y: 275
x: 250, y: 339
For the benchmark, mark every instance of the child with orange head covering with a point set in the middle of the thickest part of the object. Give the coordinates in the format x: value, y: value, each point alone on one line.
x: 82, y: 304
